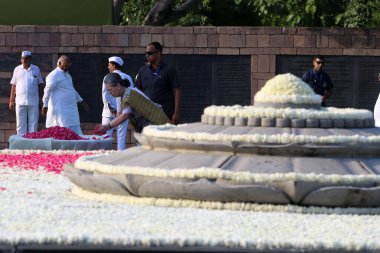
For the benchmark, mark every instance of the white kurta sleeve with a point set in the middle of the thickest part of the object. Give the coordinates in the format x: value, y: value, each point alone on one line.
x: 14, y: 81
x: 51, y: 84
x: 118, y: 104
x: 130, y: 81
x: 39, y: 77
x: 77, y: 96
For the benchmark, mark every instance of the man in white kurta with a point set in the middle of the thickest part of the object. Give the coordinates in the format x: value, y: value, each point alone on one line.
x: 112, y: 106
x: 60, y: 98
x: 24, y: 97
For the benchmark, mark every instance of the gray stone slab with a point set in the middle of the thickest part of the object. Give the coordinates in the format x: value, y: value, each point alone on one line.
x: 117, y: 157
x: 211, y: 190
x: 161, y: 159
x: 259, y: 164
x: 344, y: 196
x: 99, y: 183
x: 328, y: 166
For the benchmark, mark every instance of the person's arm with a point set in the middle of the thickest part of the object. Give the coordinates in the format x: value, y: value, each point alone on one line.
x: 51, y: 84
x: 108, y: 99
x: 12, y: 98
x: 176, y: 118
x: 328, y: 91
x: 327, y: 94
x: 176, y: 88
x: 138, y: 82
x: 40, y: 94
x: 114, y: 123
x: 40, y: 86
x: 81, y: 101
x: 132, y: 84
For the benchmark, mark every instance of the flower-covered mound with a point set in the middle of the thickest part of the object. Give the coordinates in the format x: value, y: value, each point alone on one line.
x: 287, y: 88
x: 63, y: 133
x: 56, y: 132
x: 38, y: 208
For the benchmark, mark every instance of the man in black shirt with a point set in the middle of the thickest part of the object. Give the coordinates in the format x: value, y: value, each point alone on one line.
x: 319, y: 80
x: 159, y: 82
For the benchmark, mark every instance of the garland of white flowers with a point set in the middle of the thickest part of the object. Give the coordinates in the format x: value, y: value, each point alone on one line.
x: 235, y: 206
x: 291, y: 113
x: 88, y: 163
x: 163, y: 131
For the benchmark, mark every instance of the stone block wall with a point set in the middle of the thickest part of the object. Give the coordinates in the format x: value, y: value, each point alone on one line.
x: 262, y: 44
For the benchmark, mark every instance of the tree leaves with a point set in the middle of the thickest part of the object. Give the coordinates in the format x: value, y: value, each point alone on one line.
x: 309, y: 13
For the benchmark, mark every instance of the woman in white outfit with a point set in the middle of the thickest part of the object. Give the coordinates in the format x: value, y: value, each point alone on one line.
x: 112, y: 106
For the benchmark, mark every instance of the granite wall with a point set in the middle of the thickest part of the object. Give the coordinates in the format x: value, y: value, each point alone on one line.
x: 266, y: 48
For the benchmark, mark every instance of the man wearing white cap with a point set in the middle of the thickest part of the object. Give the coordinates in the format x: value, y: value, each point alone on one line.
x: 60, y: 98
x: 24, y: 97
x: 112, y: 106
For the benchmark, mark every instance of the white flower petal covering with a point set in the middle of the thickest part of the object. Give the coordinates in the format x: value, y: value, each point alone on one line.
x: 287, y: 88
x: 38, y: 209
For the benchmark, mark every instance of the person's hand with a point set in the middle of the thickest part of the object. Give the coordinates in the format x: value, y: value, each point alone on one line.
x: 379, y: 77
x: 11, y: 106
x: 102, y: 128
x: 176, y: 118
x: 85, y: 106
x: 44, y: 111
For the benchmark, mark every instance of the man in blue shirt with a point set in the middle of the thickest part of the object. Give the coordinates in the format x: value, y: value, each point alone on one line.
x: 318, y: 79
x: 159, y: 81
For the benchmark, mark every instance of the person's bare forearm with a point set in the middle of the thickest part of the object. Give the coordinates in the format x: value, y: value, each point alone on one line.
x: 177, y: 101
x: 327, y: 95
x: 12, y: 97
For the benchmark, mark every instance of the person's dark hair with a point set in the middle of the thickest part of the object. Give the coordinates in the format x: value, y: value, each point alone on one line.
x: 116, y: 64
x: 318, y: 56
x: 156, y: 45
x: 114, y: 78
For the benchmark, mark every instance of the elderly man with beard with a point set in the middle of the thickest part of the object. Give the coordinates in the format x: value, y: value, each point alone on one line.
x: 60, y: 98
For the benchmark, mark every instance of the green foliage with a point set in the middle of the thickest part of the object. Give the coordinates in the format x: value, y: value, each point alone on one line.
x: 307, y: 13
x: 134, y: 11
x: 360, y: 13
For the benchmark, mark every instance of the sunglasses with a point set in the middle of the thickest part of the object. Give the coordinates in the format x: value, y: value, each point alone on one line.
x: 319, y: 62
x: 151, y: 53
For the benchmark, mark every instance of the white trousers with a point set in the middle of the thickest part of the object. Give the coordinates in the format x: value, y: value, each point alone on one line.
x: 26, y: 118
x: 121, y: 132
x: 376, y: 112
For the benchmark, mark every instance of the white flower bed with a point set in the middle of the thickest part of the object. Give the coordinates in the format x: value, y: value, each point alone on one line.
x: 287, y: 88
x: 38, y: 208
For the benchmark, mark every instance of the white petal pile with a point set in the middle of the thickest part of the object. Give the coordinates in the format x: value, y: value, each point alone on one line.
x: 287, y: 88
x: 39, y: 208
